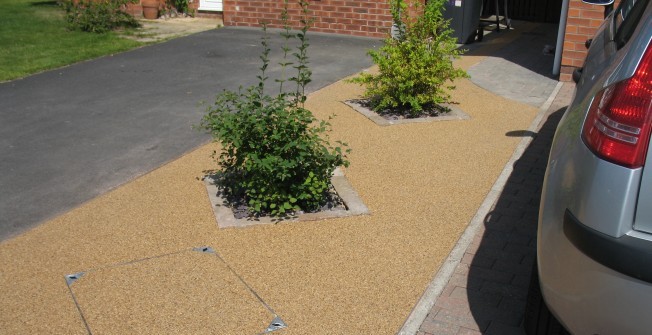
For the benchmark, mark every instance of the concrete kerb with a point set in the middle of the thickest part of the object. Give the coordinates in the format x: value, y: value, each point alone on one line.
x: 436, y: 286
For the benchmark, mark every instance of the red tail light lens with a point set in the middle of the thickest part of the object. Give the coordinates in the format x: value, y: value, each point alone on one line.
x: 617, y: 127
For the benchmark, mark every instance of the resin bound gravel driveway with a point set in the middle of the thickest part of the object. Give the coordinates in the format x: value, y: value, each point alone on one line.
x: 357, y: 275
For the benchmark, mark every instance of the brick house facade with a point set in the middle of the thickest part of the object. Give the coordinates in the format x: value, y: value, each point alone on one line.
x: 371, y: 18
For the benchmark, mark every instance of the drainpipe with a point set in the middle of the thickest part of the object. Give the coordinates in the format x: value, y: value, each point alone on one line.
x: 556, y: 67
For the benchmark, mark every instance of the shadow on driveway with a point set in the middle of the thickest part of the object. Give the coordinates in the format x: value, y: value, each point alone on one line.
x: 501, y: 258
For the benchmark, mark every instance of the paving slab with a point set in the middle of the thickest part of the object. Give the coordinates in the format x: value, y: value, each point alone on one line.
x: 522, y: 70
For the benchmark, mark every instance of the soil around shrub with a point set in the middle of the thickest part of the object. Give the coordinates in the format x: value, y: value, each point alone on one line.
x: 241, y: 209
x: 402, y: 113
x: 388, y: 117
x: 343, y: 201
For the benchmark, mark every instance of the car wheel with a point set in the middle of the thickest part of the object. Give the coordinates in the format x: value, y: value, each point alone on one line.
x: 538, y: 318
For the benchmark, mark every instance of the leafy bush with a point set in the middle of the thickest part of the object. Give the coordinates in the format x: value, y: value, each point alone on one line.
x: 98, y: 16
x: 415, y: 65
x: 276, y: 154
x: 180, y: 6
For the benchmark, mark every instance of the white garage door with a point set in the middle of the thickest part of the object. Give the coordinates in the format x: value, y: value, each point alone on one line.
x: 214, y: 5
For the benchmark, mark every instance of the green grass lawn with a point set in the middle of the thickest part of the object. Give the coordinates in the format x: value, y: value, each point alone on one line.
x: 34, y: 37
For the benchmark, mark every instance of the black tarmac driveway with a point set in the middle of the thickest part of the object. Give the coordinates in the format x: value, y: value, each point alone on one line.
x: 71, y: 134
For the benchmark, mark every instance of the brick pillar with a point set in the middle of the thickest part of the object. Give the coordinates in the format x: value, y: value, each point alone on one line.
x: 583, y: 21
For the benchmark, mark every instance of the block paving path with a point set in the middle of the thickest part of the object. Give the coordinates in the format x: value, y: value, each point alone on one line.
x: 487, y: 292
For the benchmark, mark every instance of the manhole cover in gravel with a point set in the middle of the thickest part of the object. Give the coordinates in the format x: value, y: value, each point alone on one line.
x: 189, y: 292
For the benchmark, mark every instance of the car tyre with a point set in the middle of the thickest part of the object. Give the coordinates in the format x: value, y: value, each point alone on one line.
x: 538, y: 318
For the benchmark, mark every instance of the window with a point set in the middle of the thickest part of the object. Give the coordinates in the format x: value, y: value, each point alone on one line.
x: 626, y: 18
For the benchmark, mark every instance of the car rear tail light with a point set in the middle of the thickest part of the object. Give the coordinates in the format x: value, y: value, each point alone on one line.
x: 617, y: 127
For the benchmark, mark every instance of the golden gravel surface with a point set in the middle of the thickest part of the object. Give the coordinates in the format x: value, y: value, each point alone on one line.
x: 163, y: 29
x: 422, y: 182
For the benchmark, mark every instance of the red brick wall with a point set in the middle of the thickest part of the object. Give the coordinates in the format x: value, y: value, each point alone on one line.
x: 351, y: 17
x: 583, y: 21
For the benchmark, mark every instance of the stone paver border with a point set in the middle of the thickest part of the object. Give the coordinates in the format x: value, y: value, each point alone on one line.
x: 455, y: 114
x: 225, y: 218
x: 447, y: 269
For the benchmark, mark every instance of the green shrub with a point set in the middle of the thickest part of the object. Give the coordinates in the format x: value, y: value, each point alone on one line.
x: 416, y: 64
x: 98, y: 16
x: 181, y: 6
x: 276, y: 154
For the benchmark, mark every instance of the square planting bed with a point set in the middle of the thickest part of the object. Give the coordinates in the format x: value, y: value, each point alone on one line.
x: 226, y: 219
x: 454, y: 114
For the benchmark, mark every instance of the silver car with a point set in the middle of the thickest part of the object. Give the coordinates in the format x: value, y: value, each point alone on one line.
x: 594, y: 247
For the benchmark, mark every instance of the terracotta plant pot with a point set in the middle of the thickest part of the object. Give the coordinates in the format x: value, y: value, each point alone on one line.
x: 150, y: 9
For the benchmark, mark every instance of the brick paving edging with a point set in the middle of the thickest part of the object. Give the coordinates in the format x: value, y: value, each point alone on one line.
x: 482, y: 286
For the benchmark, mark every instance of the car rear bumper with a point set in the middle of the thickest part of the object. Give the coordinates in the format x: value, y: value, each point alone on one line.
x: 628, y: 255
x: 585, y: 294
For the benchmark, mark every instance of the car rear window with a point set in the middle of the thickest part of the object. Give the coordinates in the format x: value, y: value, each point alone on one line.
x: 626, y: 18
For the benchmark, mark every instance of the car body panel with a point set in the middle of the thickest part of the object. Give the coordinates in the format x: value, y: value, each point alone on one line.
x: 643, y: 220
x: 608, y: 203
x: 596, y: 300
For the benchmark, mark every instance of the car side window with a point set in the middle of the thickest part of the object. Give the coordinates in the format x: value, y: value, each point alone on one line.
x: 626, y: 18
